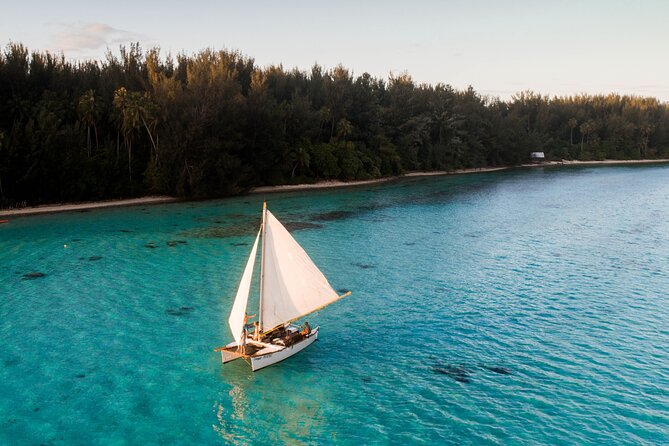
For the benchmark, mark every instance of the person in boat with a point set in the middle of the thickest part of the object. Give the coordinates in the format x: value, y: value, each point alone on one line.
x: 306, y: 329
x: 256, y: 331
x: 242, y: 341
x: 246, y: 321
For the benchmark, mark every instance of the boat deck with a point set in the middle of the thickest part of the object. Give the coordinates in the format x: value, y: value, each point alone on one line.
x: 277, y: 341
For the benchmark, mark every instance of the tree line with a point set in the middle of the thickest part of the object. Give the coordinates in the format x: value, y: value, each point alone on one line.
x: 215, y: 124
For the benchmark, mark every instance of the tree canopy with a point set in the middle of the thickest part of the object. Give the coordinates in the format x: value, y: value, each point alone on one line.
x: 215, y: 124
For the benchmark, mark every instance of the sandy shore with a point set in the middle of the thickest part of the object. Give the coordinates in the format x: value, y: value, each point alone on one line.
x: 298, y: 187
x: 64, y: 207
x: 597, y: 163
x: 337, y: 183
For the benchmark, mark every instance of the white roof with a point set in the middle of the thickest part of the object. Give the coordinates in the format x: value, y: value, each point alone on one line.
x: 537, y: 155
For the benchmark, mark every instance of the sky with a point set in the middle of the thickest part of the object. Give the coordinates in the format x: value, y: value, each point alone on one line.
x: 558, y: 47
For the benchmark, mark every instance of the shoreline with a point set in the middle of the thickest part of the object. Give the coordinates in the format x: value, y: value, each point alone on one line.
x: 597, y: 163
x: 328, y: 184
x: 70, y: 207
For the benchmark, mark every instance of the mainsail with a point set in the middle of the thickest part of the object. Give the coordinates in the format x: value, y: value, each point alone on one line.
x: 236, y: 319
x: 293, y: 286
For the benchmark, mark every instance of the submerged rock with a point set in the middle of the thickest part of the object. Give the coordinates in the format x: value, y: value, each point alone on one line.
x: 11, y: 360
x: 459, y: 373
x: 220, y: 232
x: 499, y: 370
x: 299, y: 225
x: 181, y: 311
x: 332, y: 215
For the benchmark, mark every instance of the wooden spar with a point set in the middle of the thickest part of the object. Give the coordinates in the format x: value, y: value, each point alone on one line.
x: 306, y: 314
x: 262, y: 271
x: 232, y: 352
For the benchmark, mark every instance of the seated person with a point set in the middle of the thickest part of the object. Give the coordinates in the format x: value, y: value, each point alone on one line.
x: 306, y: 329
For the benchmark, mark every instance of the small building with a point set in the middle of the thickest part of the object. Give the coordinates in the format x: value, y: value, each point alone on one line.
x: 537, y: 157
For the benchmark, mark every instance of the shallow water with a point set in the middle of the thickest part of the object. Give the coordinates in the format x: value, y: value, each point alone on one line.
x: 516, y: 307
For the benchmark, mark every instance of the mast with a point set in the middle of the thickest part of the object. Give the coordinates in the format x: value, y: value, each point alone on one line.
x: 262, y: 269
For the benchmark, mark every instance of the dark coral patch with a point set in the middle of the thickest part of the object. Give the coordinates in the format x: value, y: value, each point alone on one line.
x: 299, y: 225
x: 333, y: 215
x: 459, y: 373
x: 33, y: 275
x: 220, y: 232
x: 175, y: 242
x: 181, y: 311
x: 499, y: 370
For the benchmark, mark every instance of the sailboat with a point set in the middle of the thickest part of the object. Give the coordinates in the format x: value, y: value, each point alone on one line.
x: 291, y: 287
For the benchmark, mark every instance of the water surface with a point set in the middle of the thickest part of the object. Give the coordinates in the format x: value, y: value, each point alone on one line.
x: 516, y: 307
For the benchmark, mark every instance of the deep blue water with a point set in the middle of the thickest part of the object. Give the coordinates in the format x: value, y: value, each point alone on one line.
x: 516, y: 307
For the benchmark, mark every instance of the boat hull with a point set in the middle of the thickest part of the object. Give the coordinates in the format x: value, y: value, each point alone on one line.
x: 227, y: 356
x: 261, y: 361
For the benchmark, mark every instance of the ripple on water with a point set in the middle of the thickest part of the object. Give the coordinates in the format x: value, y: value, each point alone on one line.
x: 522, y: 307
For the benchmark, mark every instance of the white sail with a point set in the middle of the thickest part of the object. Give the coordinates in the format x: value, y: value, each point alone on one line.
x: 236, y: 319
x: 293, y: 285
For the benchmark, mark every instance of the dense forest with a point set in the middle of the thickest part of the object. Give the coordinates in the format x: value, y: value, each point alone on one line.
x: 215, y: 124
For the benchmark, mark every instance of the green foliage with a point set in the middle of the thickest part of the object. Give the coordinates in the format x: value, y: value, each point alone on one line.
x: 215, y: 124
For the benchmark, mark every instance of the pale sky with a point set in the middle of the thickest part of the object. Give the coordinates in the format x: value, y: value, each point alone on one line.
x: 499, y: 47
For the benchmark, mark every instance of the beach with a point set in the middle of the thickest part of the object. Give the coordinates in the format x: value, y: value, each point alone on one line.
x: 70, y: 207
x: 65, y: 207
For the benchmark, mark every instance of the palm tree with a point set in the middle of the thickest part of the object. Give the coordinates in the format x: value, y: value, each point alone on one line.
x: 300, y: 158
x: 572, y: 125
x: 128, y: 106
x: 131, y: 121
x: 120, y: 100
x: 646, y: 130
x: 344, y: 128
x: 147, y: 113
x: 2, y: 137
x: 585, y: 129
x: 87, y: 109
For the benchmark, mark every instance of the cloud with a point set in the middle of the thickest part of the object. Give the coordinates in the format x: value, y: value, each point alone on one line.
x: 82, y: 38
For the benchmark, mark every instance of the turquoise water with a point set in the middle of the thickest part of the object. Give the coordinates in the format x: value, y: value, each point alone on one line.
x: 517, y: 307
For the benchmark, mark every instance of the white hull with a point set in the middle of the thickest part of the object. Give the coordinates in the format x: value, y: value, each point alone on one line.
x: 271, y: 354
x: 263, y: 360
